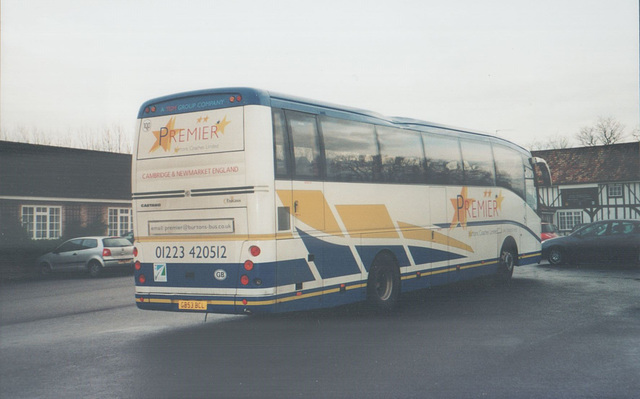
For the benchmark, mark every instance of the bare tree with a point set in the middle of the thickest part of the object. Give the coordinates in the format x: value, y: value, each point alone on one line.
x: 606, y: 131
x: 551, y: 143
x: 587, y: 136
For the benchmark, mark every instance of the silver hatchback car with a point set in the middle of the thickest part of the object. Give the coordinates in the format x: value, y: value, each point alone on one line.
x: 92, y: 254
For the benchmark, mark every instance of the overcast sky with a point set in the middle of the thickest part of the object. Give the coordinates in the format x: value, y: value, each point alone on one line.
x: 522, y: 68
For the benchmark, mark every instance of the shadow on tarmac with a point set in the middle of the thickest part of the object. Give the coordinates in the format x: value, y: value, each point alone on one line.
x: 294, y: 354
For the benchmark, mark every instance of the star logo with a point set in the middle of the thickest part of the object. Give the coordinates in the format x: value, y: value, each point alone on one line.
x: 499, y: 199
x: 165, y: 135
x: 220, y: 125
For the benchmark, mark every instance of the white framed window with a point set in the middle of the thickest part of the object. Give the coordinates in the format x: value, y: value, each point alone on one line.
x: 42, y: 222
x: 120, y: 221
x: 567, y: 220
x: 614, y: 190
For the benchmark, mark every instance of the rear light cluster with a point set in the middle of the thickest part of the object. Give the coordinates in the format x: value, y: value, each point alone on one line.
x: 106, y: 252
x: 254, y: 251
x: 137, y: 266
x: 150, y: 109
x: 234, y: 99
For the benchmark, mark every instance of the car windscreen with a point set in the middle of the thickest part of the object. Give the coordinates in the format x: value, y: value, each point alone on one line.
x: 116, y: 242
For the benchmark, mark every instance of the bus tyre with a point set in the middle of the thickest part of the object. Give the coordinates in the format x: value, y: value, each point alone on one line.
x: 556, y: 256
x: 506, y: 264
x: 95, y: 268
x: 383, y: 285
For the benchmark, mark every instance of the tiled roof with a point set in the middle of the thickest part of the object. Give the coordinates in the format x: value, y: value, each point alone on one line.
x: 28, y: 170
x: 597, y: 164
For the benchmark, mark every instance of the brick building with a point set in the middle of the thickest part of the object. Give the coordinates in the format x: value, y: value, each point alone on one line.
x: 54, y: 191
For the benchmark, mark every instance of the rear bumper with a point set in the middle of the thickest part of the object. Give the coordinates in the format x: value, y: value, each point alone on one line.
x: 114, y: 263
x: 224, y: 305
x: 330, y: 296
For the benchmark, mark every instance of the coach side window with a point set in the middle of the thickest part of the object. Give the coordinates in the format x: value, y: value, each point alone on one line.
x: 402, y: 156
x: 351, y: 151
x: 444, y: 164
x: 509, y: 169
x: 478, y: 163
x: 280, y: 144
x: 306, y: 148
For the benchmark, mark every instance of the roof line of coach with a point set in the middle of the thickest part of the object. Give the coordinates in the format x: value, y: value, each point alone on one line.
x: 199, y: 100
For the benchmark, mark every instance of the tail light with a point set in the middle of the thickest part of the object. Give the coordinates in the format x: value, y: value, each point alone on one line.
x: 254, y: 250
x: 135, y: 251
x: 248, y: 265
x: 137, y: 265
x: 244, y: 279
x: 142, y: 279
x: 106, y: 252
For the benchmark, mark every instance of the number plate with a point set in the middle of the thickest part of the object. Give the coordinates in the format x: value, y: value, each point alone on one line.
x: 192, y: 305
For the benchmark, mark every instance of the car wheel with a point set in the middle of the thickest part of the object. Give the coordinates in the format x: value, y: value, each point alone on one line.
x: 44, y: 270
x: 95, y: 268
x: 556, y: 256
x: 383, y: 286
x: 506, y: 264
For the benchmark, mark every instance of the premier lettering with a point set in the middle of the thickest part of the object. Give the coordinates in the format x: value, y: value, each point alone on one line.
x: 199, y: 133
x: 482, y: 209
x: 476, y: 208
x: 467, y: 208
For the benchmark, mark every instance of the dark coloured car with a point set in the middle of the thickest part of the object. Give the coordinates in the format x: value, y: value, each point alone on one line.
x: 128, y: 236
x: 91, y: 254
x: 609, y: 240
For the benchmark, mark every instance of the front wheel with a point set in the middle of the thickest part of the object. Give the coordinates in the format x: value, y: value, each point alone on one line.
x: 44, y: 270
x: 556, y: 256
x: 383, y: 286
x: 506, y: 264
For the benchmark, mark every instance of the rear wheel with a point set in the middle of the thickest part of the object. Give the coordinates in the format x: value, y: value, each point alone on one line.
x: 95, y: 268
x: 506, y: 263
x: 383, y: 286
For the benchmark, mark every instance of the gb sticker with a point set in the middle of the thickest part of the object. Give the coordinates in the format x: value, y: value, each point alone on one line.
x: 220, y: 274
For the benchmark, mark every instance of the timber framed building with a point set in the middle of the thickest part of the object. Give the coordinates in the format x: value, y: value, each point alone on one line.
x: 591, y: 184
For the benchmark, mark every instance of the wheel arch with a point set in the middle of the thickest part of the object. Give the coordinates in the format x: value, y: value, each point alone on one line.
x: 95, y: 259
x: 382, y: 256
